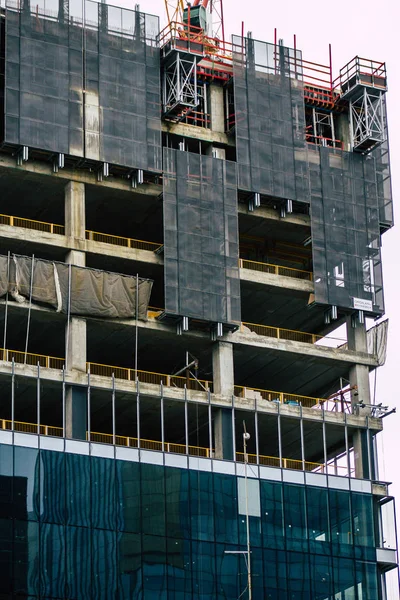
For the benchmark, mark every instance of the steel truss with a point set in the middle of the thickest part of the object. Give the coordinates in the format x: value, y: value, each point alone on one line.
x: 367, y: 128
x: 180, y: 90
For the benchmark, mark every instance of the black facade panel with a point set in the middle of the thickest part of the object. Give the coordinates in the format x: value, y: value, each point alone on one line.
x: 270, y: 120
x: 84, y: 82
x: 345, y: 230
x: 201, y: 243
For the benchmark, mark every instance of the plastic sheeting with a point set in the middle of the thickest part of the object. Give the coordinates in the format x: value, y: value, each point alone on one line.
x: 377, y: 341
x: 83, y: 79
x: 201, y: 241
x: 78, y: 290
x: 345, y: 230
x: 270, y: 120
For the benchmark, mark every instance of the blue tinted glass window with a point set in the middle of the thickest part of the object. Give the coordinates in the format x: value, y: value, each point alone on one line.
x: 318, y: 520
x: 340, y: 519
x: 201, y: 505
x: 52, y: 486
x: 367, y: 581
x: 272, y: 514
x: 129, y: 566
x: 203, y: 571
x: 231, y: 572
x: 78, y: 489
x: 52, y: 560
x: 26, y: 557
x: 226, y: 508
x: 298, y: 570
x: 78, y: 563
x: 275, y: 577
x: 179, y: 569
x: 103, y: 493
x: 6, y: 558
x: 177, y: 502
x: 6, y: 481
x: 295, y: 517
x: 104, y: 564
x: 153, y: 499
x: 343, y: 578
x: 154, y: 567
x: 363, y: 525
x: 26, y: 483
x: 321, y: 577
x: 128, y: 495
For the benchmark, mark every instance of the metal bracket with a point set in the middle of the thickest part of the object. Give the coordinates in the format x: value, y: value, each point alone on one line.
x: 103, y: 172
x: 58, y: 162
x: 137, y: 178
x: 22, y: 155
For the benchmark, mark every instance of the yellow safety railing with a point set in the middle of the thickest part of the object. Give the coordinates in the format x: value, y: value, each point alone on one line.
x: 287, y: 463
x: 28, y: 358
x: 282, y: 334
x: 131, y: 442
x: 32, y: 224
x: 275, y: 269
x: 281, y: 397
x: 149, y: 377
x: 125, y: 242
x: 172, y: 447
x: 31, y: 428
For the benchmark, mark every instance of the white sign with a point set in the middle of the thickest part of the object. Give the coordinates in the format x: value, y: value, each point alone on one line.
x: 361, y: 304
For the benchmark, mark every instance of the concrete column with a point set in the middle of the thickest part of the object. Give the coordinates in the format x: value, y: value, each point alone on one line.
x: 359, y: 374
x: 75, y: 412
x: 223, y: 378
x: 217, y: 108
x: 223, y: 434
x: 74, y: 207
x: 359, y: 377
x: 75, y: 335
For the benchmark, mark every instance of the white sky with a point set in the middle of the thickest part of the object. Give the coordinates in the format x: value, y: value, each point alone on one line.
x: 370, y: 30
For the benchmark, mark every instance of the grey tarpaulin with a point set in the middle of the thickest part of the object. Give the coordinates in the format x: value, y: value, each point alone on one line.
x: 93, y: 293
x: 3, y: 275
x: 377, y: 341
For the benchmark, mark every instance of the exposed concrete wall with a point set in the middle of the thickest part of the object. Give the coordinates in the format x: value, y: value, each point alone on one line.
x: 223, y: 375
x: 217, y: 108
x: 75, y: 210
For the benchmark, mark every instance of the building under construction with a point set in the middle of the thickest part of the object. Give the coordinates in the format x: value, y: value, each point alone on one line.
x: 188, y: 225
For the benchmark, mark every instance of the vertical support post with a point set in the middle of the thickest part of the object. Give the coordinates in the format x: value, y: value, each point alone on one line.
x: 137, y: 413
x: 303, y: 464
x: 12, y: 393
x: 279, y: 435
x: 38, y: 398
x: 210, y: 439
x: 29, y: 310
x: 136, y: 326
x: 113, y: 407
x: 6, y: 309
x: 162, y: 415
x: 88, y: 405
x: 186, y: 423
x: 256, y: 431
x: 324, y: 440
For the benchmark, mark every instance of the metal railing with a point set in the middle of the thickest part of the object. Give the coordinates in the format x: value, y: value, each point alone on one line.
x: 278, y: 397
x: 31, y: 224
x: 287, y: 463
x: 23, y: 427
x: 275, y: 269
x: 282, y: 334
x: 124, y: 242
x: 149, y: 377
x: 132, y: 442
x: 28, y: 358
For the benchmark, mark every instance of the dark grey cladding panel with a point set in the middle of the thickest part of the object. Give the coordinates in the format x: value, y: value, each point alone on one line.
x: 201, y: 242
x: 84, y: 86
x: 270, y: 120
x: 345, y: 230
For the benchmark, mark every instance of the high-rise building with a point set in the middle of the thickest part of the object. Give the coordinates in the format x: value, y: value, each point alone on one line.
x: 190, y: 268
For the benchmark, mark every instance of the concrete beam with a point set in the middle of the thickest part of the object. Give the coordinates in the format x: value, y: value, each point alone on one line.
x: 82, y: 176
x: 279, y: 281
x: 198, y: 133
x: 61, y: 241
x: 264, y: 212
x: 76, y: 378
